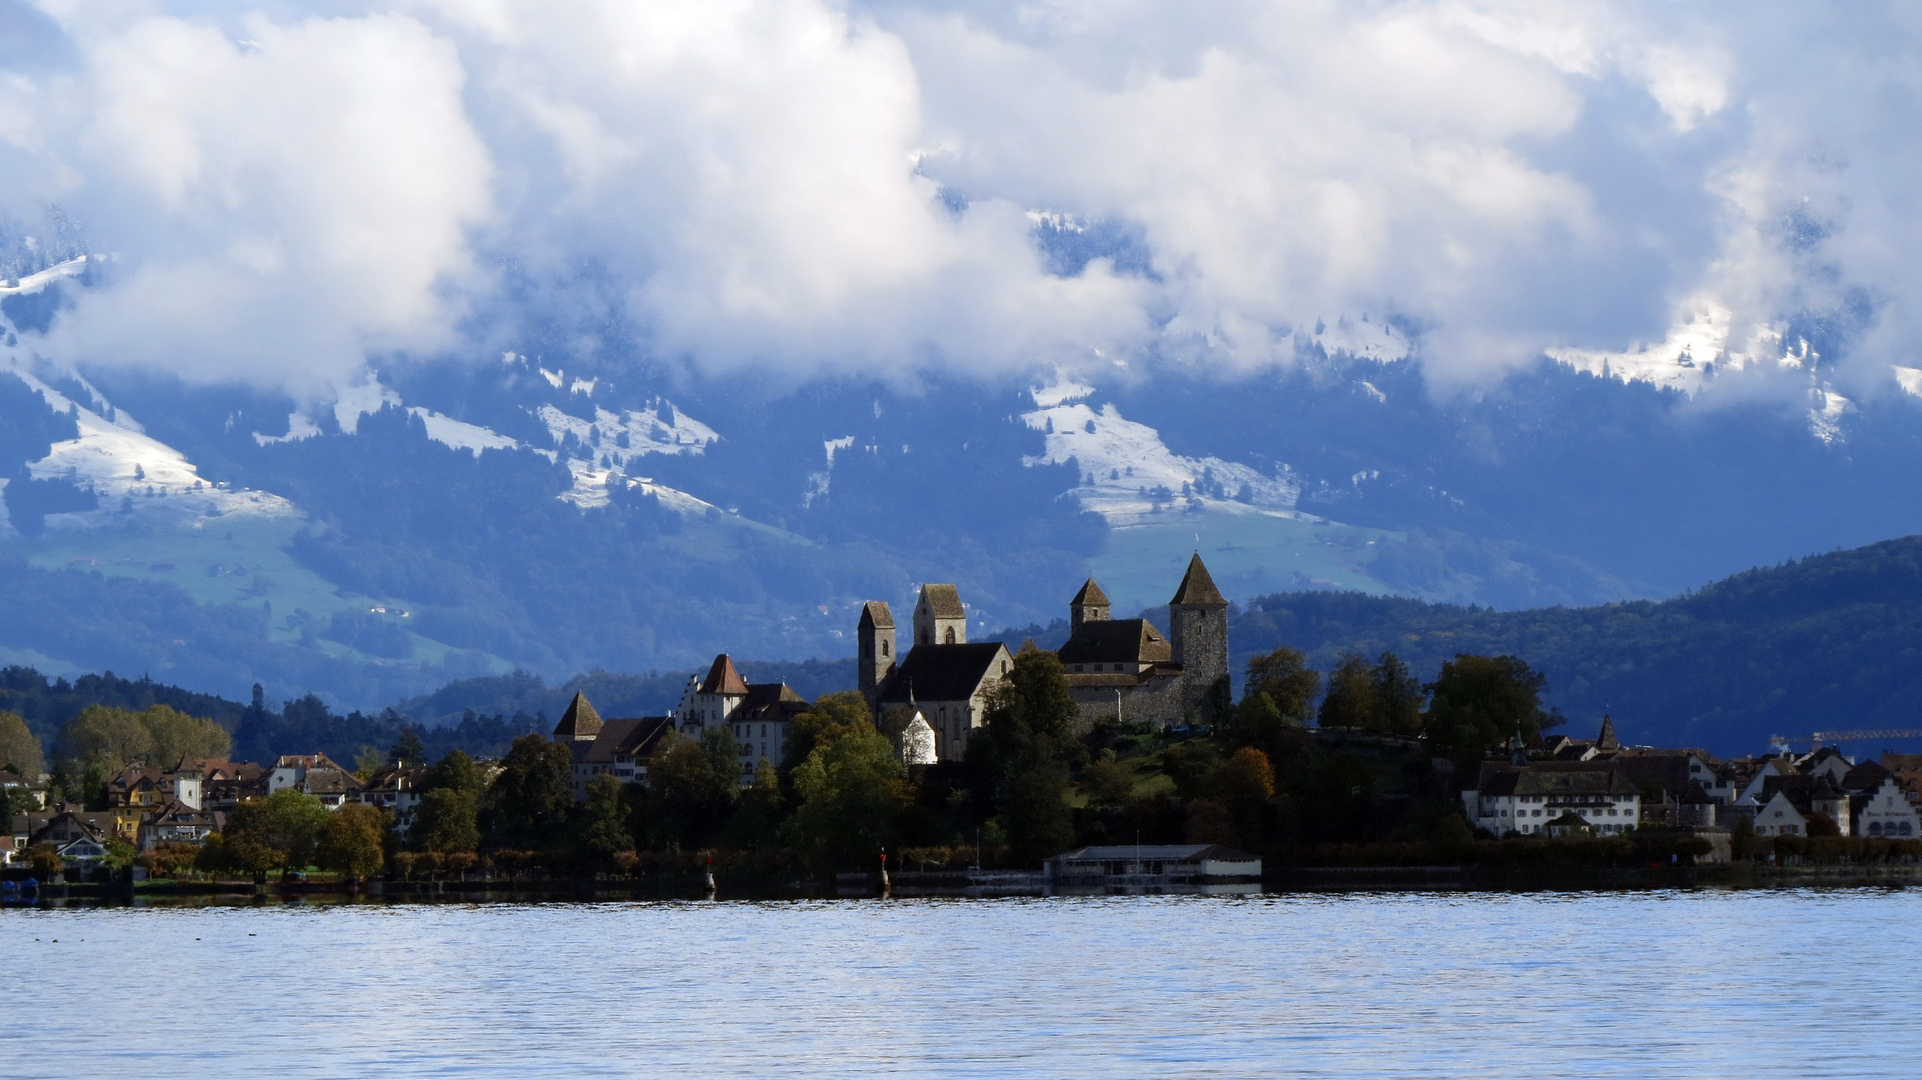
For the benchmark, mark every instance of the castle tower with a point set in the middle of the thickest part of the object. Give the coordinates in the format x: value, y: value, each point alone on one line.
x: 1088, y: 605
x: 1198, y: 631
x: 877, y: 651
x: 939, y: 618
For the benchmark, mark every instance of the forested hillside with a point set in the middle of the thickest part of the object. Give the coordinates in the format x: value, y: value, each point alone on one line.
x: 1830, y: 641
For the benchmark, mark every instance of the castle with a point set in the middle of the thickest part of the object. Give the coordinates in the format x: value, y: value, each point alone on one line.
x: 1125, y: 668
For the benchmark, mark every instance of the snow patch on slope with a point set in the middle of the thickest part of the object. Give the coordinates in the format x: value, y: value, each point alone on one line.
x: 1364, y: 337
x: 133, y: 473
x: 618, y: 438
x: 34, y: 283
x: 1908, y: 378
x: 1700, y: 342
x: 592, y: 484
x: 1130, y: 477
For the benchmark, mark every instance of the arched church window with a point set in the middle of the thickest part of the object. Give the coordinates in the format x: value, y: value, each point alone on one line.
x: 884, y: 648
x: 950, y: 639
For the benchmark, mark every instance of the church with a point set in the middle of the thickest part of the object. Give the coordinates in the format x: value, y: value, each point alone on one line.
x: 1126, y: 668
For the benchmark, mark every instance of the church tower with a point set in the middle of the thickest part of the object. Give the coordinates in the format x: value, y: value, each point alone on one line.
x: 877, y: 647
x: 1088, y: 605
x: 1198, y: 631
x: 939, y: 618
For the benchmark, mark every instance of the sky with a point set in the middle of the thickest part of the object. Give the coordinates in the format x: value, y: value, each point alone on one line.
x: 286, y: 191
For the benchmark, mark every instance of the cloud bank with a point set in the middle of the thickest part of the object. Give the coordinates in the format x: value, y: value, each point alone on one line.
x: 809, y: 186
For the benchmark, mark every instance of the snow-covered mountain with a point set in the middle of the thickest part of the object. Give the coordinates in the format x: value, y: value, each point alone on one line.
x: 434, y: 519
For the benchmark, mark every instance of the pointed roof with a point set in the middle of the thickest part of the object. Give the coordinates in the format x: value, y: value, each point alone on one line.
x: 1606, y: 739
x: 722, y: 678
x: 875, y: 613
x: 1090, y: 596
x: 580, y: 721
x: 1197, y: 587
x: 943, y: 601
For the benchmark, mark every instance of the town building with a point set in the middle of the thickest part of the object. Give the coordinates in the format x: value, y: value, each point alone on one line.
x: 24, y: 790
x: 178, y: 823
x: 756, y: 714
x: 226, y: 784
x: 1887, y: 812
x: 621, y: 750
x: 317, y: 775
x: 761, y: 722
x: 396, y: 789
x: 1524, y: 799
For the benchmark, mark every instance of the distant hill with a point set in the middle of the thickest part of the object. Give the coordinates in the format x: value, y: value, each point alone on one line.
x: 1830, y: 641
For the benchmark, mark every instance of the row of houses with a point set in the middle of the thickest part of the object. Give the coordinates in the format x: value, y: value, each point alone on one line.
x: 187, y: 802
x: 1598, y: 786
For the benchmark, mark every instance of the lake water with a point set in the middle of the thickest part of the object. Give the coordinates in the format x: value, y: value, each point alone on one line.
x: 1699, y: 984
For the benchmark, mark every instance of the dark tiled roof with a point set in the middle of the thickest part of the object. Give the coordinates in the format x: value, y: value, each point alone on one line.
x: 630, y: 736
x: 580, y: 721
x: 722, y: 678
x: 1090, y: 595
x: 771, y: 702
x: 1799, y: 789
x: 943, y: 601
x: 875, y: 613
x: 307, y: 761
x: 1867, y: 776
x: 1670, y: 772
x: 1557, y: 778
x: 1197, y: 587
x: 942, y: 672
x: 1116, y: 641
x: 1695, y: 796
x: 331, y: 782
x: 613, y: 733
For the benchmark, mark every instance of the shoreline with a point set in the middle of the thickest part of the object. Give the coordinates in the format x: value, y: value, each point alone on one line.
x: 1279, y: 882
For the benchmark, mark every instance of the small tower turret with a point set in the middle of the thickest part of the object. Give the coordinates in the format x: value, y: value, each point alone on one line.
x: 939, y: 618
x: 1088, y: 605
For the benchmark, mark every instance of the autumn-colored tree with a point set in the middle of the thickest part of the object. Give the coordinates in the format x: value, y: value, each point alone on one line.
x: 351, y: 841
x: 19, y: 750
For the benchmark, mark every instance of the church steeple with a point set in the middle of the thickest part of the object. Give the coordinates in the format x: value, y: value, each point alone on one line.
x: 1606, y: 739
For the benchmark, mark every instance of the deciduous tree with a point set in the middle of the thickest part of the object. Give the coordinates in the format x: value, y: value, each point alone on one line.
x: 851, y: 791
x: 446, y: 821
x: 1480, y: 702
x: 603, y: 826
x: 19, y: 750
x: 532, y: 798
x: 350, y: 842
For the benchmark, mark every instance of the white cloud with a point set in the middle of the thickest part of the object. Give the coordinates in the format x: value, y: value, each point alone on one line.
x: 762, y: 181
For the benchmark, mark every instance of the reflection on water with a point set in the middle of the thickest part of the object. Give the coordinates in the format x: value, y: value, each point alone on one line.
x: 1779, y: 983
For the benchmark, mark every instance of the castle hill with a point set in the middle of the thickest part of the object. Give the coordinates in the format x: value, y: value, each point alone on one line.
x: 1124, y: 761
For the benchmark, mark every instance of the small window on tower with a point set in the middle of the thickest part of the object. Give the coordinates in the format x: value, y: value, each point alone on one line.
x: 950, y: 638
x: 884, y: 648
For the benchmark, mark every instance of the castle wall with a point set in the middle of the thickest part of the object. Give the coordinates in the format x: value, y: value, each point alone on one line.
x: 1157, y: 701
